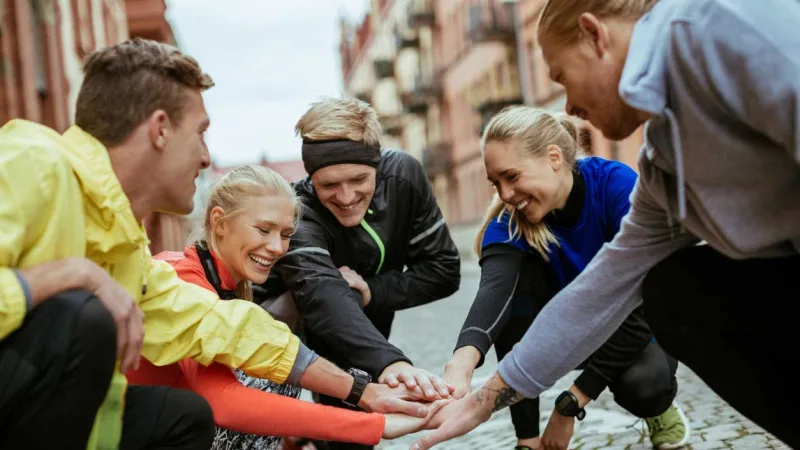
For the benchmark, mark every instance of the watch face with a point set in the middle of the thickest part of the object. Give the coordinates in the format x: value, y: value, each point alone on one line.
x: 358, y: 373
x: 564, y: 401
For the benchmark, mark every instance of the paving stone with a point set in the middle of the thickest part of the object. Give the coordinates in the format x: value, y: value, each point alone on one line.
x: 722, y: 432
x: 753, y: 441
x: 709, y: 445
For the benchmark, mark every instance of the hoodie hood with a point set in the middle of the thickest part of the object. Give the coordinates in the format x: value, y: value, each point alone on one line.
x: 644, y: 82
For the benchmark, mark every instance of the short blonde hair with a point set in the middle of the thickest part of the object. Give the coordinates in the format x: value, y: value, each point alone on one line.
x: 240, y: 183
x: 559, y: 19
x: 333, y: 118
x: 532, y: 131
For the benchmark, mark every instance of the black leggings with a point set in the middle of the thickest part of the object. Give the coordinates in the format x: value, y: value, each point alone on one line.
x: 646, y: 389
x: 730, y: 321
x: 54, y: 374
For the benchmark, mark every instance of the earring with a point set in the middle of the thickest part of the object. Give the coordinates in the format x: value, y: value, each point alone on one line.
x: 161, y: 140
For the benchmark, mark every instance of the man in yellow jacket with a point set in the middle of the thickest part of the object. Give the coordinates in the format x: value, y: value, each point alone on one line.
x: 80, y: 296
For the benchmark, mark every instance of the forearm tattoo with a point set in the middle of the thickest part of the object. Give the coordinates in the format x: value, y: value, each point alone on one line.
x: 506, y: 397
x: 501, y: 396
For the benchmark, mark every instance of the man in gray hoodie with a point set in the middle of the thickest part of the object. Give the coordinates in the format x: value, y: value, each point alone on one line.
x: 717, y: 85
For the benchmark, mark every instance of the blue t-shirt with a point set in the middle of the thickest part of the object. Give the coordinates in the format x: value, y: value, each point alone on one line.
x: 608, y: 188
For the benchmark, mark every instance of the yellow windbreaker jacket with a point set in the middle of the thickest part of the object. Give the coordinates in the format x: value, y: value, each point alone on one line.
x: 61, y: 198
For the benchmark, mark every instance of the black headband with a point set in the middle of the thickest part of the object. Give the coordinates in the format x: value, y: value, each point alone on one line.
x: 319, y: 154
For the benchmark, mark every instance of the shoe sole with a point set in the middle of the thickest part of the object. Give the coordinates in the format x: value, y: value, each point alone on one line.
x: 686, y: 435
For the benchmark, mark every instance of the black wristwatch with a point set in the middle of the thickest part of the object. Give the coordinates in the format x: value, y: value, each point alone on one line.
x: 567, y: 405
x: 360, y: 381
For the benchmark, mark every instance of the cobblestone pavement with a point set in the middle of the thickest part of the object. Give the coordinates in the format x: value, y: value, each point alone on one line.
x: 427, y: 335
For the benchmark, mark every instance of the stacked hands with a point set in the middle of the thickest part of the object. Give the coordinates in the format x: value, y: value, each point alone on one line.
x: 414, y: 399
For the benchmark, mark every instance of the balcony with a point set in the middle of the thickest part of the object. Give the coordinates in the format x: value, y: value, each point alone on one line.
x: 437, y: 159
x: 403, y: 40
x: 384, y: 68
x: 425, y: 91
x: 421, y: 14
x: 146, y: 19
x: 364, y: 97
x: 491, y: 107
x: 490, y: 22
x: 392, y: 124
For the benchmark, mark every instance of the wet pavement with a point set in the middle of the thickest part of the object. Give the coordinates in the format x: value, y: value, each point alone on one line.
x: 427, y: 335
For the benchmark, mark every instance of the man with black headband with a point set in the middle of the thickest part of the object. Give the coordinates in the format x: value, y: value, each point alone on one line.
x: 371, y: 241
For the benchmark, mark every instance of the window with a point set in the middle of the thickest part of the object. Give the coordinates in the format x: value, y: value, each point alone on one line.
x: 39, y: 50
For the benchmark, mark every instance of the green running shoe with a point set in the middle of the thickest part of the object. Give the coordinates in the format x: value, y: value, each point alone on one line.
x: 670, y: 430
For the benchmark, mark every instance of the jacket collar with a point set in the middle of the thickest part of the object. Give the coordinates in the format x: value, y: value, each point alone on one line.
x: 225, y: 277
x: 112, y: 231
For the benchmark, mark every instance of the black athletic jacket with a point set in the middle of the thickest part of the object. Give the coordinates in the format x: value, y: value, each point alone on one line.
x: 404, y: 252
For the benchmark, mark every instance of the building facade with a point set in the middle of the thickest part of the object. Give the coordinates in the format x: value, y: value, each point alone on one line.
x: 43, y: 43
x: 453, y: 65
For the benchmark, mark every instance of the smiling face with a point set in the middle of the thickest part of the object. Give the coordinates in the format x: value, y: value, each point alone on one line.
x: 533, y: 185
x: 346, y: 190
x: 590, y: 71
x: 252, y: 240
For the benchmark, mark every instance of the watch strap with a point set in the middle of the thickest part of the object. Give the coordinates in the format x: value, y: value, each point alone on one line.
x: 567, y: 405
x: 360, y: 381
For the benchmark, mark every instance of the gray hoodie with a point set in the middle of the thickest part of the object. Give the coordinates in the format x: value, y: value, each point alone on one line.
x: 720, y: 163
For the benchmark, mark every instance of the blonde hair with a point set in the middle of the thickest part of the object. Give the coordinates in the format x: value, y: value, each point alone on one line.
x: 333, y: 118
x: 531, y: 130
x: 559, y: 19
x: 228, y: 193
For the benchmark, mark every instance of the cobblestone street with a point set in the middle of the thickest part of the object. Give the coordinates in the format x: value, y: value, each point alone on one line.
x: 427, y: 335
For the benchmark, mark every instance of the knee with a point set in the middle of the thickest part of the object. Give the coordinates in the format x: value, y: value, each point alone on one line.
x: 95, y: 328
x: 646, y: 392
x: 95, y: 343
x: 94, y: 319
x: 94, y: 333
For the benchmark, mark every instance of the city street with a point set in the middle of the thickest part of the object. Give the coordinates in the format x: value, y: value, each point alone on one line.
x: 427, y: 334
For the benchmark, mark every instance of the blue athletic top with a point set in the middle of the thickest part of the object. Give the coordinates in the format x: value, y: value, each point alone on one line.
x: 608, y: 187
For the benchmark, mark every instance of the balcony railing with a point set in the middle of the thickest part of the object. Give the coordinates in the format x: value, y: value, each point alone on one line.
x: 421, y: 14
x: 490, y: 21
x: 437, y: 159
x: 384, y: 68
x: 364, y: 97
x: 491, y: 107
x: 404, y: 40
x: 392, y: 124
x: 425, y: 91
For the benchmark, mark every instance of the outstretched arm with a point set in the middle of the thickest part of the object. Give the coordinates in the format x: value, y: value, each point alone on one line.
x: 240, y: 408
x: 462, y: 416
x: 489, y: 314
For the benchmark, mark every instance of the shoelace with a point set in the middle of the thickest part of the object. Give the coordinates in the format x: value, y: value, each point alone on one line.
x: 641, y: 429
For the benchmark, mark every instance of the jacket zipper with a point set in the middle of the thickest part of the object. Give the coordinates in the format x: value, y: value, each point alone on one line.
x: 375, y: 238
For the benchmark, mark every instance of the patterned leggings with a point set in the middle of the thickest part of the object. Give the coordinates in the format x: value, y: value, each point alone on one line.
x: 235, y: 440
